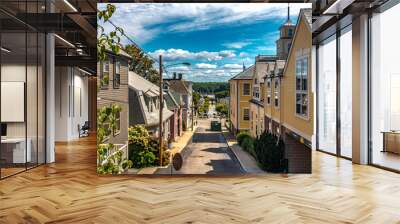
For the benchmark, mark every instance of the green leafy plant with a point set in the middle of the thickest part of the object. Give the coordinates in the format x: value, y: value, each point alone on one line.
x: 222, y: 108
x: 105, y: 80
x: 241, y: 136
x: 107, y: 41
x: 144, y: 149
x: 142, y: 64
x: 109, y: 158
x: 248, y: 145
x: 269, y: 151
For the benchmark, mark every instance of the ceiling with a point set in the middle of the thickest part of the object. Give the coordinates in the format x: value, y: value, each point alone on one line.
x: 74, y: 22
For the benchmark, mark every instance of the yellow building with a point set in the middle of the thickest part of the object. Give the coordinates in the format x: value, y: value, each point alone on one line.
x: 240, y: 95
x: 264, y: 64
x: 272, y: 104
x: 297, y: 95
x: 289, y: 112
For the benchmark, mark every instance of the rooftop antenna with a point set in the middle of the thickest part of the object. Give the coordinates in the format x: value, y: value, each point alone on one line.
x: 288, y: 12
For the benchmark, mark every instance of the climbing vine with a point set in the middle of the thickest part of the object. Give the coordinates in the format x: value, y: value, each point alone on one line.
x: 109, y: 158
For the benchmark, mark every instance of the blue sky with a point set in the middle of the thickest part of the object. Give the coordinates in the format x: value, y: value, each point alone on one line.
x: 215, y: 38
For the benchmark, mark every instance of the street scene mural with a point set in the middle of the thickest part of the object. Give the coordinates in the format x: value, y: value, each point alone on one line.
x: 205, y: 89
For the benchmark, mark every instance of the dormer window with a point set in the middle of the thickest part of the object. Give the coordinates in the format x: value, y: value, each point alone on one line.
x: 290, y: 32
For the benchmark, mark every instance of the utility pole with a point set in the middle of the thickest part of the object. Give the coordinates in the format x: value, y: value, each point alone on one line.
x: 160, y: 135
x: 192, y: 116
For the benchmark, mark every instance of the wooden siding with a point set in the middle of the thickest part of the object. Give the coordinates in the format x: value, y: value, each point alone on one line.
x: 302, y: 126
x: 108, y: 95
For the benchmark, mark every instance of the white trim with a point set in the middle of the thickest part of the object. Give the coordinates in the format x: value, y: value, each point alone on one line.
x: 300, y: 55
x: 277, y: 92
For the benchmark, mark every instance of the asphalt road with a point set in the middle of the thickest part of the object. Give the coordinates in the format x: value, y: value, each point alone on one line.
x: 209, y: 154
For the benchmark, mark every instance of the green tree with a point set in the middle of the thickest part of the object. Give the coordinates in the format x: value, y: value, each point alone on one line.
x: 210, y: 87
x: 222, y: 108
x: 109, y: 158
x: 142, y: 64
x: 196, y: 99
x: 107, y: 41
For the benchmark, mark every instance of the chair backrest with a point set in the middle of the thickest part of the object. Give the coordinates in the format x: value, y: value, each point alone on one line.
x: 86, y: 125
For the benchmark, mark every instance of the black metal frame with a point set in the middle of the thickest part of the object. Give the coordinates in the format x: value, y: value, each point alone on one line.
x: 337, y: 34
x: 387, y: 5
x: 37, y: 164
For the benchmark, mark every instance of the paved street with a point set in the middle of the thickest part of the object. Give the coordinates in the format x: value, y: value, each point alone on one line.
x: 209, y: 153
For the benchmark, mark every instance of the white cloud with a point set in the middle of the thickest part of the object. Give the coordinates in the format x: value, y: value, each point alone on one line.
x: 243, y: 54
x: 227, y: 54
x: 205, y: 66
x: 180, y: 54
x: 233, y: 66
x: 143, y: 22
x: 237, y: 45
x: 266, y: 48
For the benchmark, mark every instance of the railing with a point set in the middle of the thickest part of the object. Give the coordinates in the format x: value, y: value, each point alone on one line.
x: 114, y: 150
x: 117, y: 148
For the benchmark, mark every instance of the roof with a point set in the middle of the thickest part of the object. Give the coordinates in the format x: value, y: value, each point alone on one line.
x: 170, y: 100
x: 246, y: 74
x: 143, y: 88
x: 120, y: 53
x: 307, y: 13
x: 137, y: 82
x: 178, y: 85
x: 177, y: 97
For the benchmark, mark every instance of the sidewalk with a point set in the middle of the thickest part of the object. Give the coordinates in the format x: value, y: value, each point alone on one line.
x: 177, y: 146
x: 182, y: 141
x: 248, y: 163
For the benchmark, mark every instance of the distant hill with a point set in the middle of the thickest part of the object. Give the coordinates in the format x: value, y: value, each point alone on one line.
x: 211, y: 87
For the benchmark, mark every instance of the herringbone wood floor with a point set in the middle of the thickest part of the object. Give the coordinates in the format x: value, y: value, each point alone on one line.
x: 70, y: 191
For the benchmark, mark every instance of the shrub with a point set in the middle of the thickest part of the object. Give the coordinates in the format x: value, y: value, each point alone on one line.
x: 241, y: 136
x: 144, y: 149
x: 269, y: 151
x: 248, y: 144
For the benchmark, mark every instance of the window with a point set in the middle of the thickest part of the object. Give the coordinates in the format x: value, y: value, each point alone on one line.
x: 246, y: 89
x: 301, y: 86
x: 385, y: 89
x: 118, y: 123
x: 246, y: 114
x: 290, y: 32
x: 276, y: 93
x: 327, y: 96
x: 105, y: 74
x: 117, y: 76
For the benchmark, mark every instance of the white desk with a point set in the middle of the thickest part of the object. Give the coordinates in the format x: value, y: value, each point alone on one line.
x: 18, y: 149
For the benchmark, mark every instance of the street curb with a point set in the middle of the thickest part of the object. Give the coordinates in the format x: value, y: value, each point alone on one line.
x: 230, y: 149
x: 184, y: 151
x: 249, y: 171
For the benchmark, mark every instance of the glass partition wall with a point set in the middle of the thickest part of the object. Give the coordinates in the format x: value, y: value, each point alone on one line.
x: 346, y: 95
x: 334, y: 86
x: 22, y: 107
x: 327, y: 95
x: 385, y: 89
